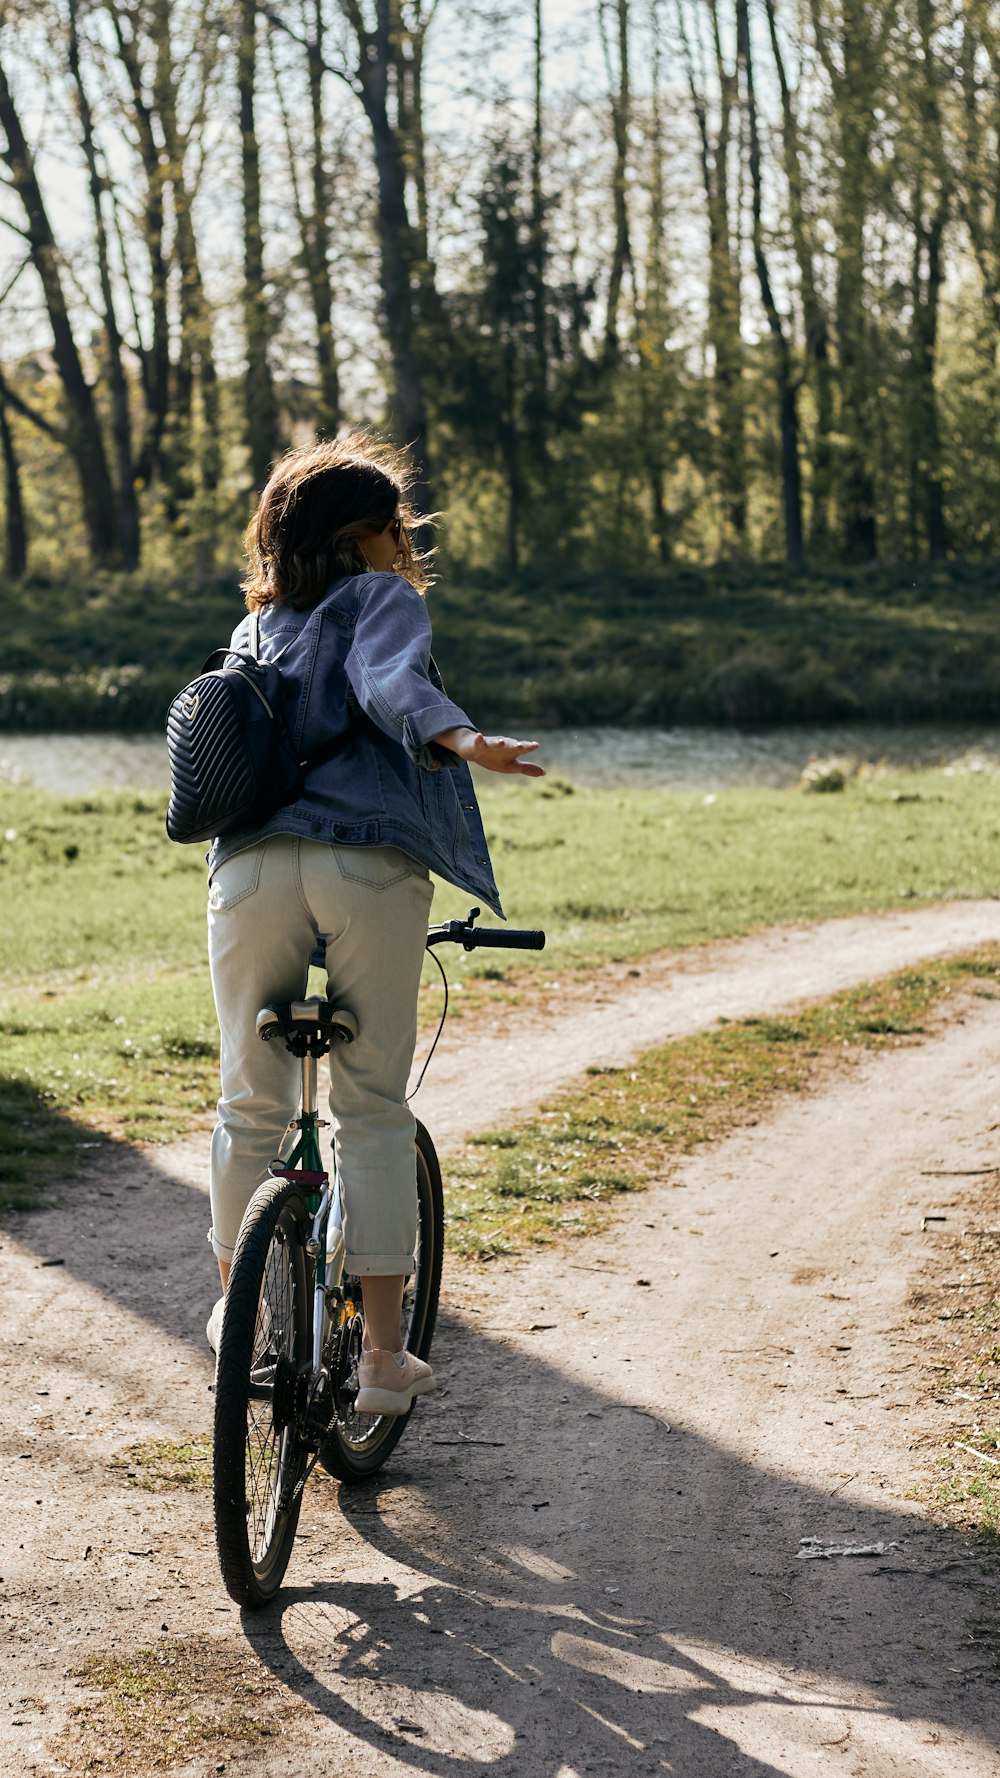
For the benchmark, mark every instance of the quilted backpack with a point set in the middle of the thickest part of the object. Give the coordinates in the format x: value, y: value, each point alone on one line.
x: 232, y: 759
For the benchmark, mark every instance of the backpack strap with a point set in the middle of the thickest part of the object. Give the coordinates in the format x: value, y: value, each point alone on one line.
x: 255, y: 633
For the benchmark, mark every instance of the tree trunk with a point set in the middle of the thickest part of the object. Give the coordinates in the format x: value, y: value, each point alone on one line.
x: 650, y: 316
x: 857, y: 488
x: 621, y: 103
x: 128, y: 507
x: 378, y: 59
x: 537, y: 395
x: 260, y: 405
x: 83, y: 432
x: 512, y: 460
x: 979, y: 170
x: 788, y: 422
x: 854, y: 83
x: 724, y: 300
x: 317, y: 241
x: 814, y: 311
x: 927, y: 486
x: 155, y: 359
x: 925, y: 293
x: 16, y: 536
x: 196, y: 356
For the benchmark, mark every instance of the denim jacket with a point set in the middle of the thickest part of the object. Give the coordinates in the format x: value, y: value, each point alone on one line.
x: 357, y: 668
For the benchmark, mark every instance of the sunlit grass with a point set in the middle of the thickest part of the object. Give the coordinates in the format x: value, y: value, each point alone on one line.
x: 106, y: 1015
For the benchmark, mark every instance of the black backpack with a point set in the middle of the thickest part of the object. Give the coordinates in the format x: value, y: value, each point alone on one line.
x: 232, y: 759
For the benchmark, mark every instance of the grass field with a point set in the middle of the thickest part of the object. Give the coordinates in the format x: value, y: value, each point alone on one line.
x: 726, y: 644
x: 106, y: 1010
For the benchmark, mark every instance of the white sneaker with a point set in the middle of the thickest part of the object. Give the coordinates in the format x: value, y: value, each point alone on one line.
x: 389, y: 1382
x: 213, y: 1331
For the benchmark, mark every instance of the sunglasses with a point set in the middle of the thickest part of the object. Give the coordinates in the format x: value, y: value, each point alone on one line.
x: 395, y: 526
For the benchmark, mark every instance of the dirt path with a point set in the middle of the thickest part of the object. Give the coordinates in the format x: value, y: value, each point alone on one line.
x: 484, y: 1075
x: 583, y: 1558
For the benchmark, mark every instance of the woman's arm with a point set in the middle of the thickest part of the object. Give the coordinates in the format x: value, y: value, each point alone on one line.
x: 388, y: 666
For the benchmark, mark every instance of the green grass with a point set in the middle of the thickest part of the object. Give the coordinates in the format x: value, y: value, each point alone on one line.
x: 106, y: 1009
x: 554, y: 1174
x: 174, y: 1702
x: 974, y: 1499
x: 158, y: 1464
x: 725, y: 644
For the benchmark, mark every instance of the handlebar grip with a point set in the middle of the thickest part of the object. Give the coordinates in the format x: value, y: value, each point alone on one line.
x: 501, y: 940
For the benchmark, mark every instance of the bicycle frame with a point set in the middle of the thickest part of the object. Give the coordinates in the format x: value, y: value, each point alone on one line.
x: 305, y: 1166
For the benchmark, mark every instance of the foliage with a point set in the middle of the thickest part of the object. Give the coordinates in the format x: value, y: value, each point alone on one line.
x: 731, y: 645
x: 553, y: 292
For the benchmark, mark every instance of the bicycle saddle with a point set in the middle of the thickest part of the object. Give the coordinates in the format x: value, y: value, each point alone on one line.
x: 308, y: 1026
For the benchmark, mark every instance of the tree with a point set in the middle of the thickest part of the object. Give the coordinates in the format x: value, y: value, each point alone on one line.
x: 15, y: 529
x: 386, y: 48
x: 260, y: 403
x: 815, y: 312
x: 159, y: 66
x: 723, y: 272
x: 921, y: 160
x: 619, y: 88
x: 788, y: 382
x: 82, y: 431
x: 851, y: 37
x: 313, y: 221
x: 121, y: 425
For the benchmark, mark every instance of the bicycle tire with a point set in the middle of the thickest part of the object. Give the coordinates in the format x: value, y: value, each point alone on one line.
x: 359, y: 1444
x: 257, y: 1459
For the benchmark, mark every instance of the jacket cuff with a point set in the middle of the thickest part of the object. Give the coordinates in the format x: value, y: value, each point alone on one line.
x: 420, y: 727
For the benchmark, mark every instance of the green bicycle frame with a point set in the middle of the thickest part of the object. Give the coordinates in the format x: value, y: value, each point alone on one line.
x: 305, y: 1163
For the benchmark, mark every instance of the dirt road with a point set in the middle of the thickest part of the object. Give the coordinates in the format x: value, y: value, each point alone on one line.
x: 585, y: 1555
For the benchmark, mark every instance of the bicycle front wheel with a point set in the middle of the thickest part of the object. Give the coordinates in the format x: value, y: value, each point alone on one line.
x: 259, y: 1460
x: 359, y: 1444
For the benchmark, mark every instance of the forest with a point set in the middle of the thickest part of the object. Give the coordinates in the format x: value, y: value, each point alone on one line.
x: 642, y: 283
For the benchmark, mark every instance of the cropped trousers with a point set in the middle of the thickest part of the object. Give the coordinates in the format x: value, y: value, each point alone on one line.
x: 268, y: 908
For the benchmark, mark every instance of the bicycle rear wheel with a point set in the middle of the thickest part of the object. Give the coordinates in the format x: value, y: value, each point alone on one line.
x: 359, y: 1444
x: 258, y: 1458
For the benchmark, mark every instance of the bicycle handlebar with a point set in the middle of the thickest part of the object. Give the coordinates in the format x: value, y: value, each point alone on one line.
x: 472, y: 938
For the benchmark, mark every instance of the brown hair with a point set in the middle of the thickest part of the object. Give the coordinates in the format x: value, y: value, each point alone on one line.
x: 317, y: 504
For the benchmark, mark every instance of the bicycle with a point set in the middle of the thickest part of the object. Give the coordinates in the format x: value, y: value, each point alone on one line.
x: 286, y: 1374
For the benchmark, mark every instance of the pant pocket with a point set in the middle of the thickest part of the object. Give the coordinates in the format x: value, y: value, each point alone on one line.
x: 378, y: 867
x: 235, y: 879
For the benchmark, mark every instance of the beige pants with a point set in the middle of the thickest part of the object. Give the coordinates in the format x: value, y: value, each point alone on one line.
x: 268, y: 907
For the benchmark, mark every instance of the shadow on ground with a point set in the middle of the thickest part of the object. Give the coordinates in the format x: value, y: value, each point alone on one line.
x: 547, y: 1577
x: 588, y: 1587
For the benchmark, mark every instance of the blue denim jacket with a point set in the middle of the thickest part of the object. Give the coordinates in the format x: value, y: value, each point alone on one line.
x: 358, y: 667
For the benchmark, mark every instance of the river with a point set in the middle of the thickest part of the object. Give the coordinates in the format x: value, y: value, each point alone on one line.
x: 671, y: 759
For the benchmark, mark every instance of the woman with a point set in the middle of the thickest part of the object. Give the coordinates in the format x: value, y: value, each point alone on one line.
x: 338, y: 586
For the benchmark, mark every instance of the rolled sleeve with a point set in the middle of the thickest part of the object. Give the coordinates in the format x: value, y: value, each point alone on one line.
x: 389, y: 668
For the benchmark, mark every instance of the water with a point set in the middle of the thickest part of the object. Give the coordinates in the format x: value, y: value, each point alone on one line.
x: 672, y: 759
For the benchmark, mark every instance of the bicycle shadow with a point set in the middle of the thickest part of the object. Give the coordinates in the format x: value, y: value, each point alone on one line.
x: 508, y: 1630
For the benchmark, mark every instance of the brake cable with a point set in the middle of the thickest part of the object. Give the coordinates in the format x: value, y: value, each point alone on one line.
x: 437, y: 1034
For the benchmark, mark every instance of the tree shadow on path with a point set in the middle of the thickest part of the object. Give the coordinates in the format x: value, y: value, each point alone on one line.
x: 630, y: 1602
x: 545, y: 1577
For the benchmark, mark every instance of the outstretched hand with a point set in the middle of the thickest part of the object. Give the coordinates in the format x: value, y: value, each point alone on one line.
x: 497, y: 753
